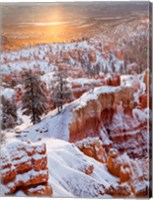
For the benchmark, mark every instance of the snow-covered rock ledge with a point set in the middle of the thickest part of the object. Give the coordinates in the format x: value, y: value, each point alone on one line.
x: 24, y: 165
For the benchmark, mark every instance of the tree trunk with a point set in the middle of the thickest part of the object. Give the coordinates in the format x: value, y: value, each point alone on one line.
x: 32, y: 97
x: 61, y: 94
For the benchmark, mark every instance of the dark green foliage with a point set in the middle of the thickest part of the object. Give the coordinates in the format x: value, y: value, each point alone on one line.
x: 9, y: 115
x: 61, y: 92
x: 34, y: 100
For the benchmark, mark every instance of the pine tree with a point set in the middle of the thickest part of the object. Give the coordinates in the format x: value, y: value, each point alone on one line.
x: 113, y: 66
x: 34, y: 100
x: 97, y: 69
x: 9, y: 114
x: 61, y: 91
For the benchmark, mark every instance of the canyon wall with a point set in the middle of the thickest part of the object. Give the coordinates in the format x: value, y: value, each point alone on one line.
x: 96, y: 113
x: 111, y: 114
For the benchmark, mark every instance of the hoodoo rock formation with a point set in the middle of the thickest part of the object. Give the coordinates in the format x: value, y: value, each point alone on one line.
x: 93, y: 147
x: 111, y: 109
x: 89, y: 118
x: 130, y: 171
x: 24, y: 165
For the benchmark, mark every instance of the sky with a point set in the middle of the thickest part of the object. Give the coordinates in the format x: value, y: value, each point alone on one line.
x: 58, y: 22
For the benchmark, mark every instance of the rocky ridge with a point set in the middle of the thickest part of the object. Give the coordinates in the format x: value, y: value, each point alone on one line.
x: 24, y: 166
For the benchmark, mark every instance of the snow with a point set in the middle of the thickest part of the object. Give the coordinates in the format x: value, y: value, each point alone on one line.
x: 6, y: 170
x: 19, y: 152
x: 94, y: 95
x: 85, y: 98
x: 134, y: 81
x: 121, y: 120
x: 4, y: 189
x: 18, y: 66
x: 38, y: 157
x: 28, y: 175
x: 22, y: 160
x: 8, y: 93
x: 13, y: 145
x: 57, y: 125
x: 39, y: 187
x: 20, y: 194
x: 104, y: 137
x: 140, y: 186
x: 129, y: 80
x: 87, y: 141
x: 65, y: 161
x: 141, y: 115
x: 83, y: 81
x: 49, y: 127
x: 66, y: 165
x: 47, y: 78
x: 106, y: 89
x: 44, y: 57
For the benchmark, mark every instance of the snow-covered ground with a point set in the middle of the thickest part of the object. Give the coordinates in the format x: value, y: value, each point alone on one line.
x: 67, y: 177
x: 67, y: 163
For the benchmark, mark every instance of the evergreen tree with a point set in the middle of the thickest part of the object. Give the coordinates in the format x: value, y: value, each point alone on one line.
x: 97, y: 69
x: 113, y: 66
x: 125, y: 64
x: 9, y: 114
x: 61, y: 91
x: 106, y: 69
x: 34, y: 100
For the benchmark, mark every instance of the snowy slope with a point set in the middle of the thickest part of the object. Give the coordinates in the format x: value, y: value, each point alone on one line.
x: 57, y: 125
x: 67, y: 164
x: 53, y: 125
